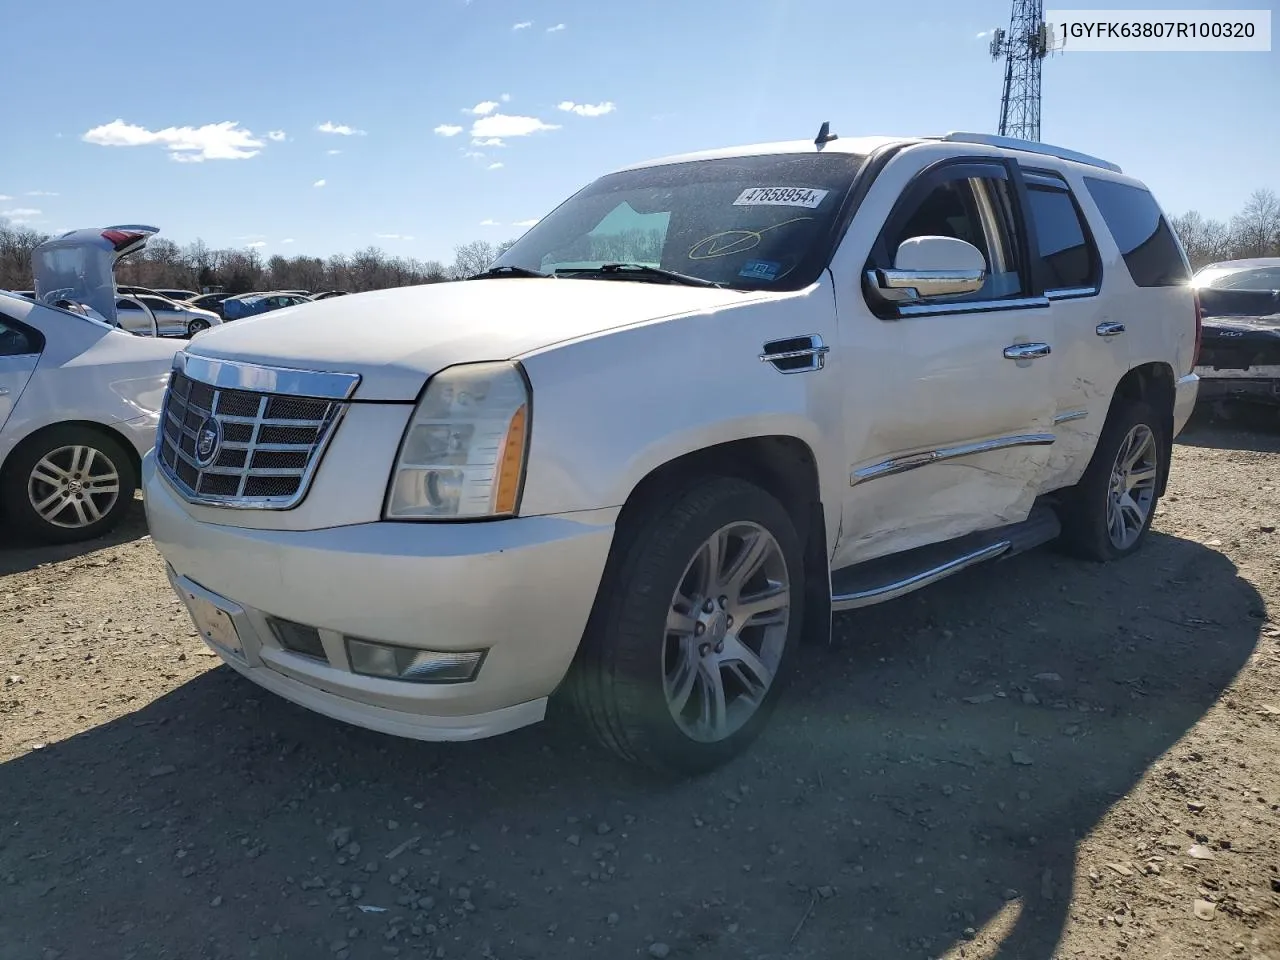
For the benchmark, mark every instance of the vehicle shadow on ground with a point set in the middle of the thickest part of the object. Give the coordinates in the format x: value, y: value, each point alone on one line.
x: 1234, y: 426
x: 928, y: 775
x: 17, y: 555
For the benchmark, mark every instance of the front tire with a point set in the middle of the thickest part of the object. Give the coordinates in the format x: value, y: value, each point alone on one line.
x: 1108, y: 513
x: 689, y: 642
x: 68, y: 484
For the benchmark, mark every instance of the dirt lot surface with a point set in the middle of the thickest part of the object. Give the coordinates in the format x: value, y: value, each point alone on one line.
x: 1035, y: 759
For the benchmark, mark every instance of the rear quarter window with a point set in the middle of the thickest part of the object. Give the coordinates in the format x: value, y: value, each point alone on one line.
x: 1148, y: 244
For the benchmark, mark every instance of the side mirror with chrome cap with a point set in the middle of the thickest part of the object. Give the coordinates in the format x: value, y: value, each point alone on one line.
x: 928, y: 267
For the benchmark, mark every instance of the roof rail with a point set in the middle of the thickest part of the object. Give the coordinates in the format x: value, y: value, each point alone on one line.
x: 1030, y: 146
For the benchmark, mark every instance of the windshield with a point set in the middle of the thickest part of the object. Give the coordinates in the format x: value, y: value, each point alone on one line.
x: 749, y: 223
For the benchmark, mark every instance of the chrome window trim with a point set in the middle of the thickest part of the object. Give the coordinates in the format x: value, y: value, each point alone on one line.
x: 972, y: 306
x: 1071, y: 293
x: 263, y: 378
x: 894, y: 465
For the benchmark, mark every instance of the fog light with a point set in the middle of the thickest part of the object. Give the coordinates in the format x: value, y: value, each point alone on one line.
x: 410, y: 663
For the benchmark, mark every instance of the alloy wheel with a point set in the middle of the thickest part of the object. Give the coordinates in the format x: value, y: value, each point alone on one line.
x: 1133, y: 485
x: 73, y: 486
x: 726, y: 631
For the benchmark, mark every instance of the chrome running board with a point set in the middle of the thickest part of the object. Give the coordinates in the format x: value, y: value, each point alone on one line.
x: 887, y: 578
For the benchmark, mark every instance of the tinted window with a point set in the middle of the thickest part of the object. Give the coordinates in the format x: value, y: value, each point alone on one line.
x: 1149, y: 246
x: 17, y: 341
x: 1065, y: 248
x: 1265, y: 278
x: 976, y: 210
x: 748, y: 222
x: 157, y: 304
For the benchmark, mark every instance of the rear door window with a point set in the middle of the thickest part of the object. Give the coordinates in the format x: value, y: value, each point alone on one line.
x: 1148, y: 244
x: 18, y: 340
x: 1068, y: 257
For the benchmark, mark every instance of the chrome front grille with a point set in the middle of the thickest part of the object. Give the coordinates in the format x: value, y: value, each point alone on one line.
x: 229, y: 446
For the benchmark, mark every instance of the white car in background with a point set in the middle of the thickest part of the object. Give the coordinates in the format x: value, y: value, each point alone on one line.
x: 79, y: 396
x: 172, y: 319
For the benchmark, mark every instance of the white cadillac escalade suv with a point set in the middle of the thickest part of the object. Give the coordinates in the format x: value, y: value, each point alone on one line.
x: 699, y: 406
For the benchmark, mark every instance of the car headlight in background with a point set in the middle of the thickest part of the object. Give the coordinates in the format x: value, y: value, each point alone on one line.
x: 463, y: 453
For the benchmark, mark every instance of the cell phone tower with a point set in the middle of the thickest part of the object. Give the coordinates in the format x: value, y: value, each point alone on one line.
x: 1026, y: 43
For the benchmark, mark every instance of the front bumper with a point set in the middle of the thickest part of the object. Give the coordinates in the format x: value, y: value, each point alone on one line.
x: 520, y: 589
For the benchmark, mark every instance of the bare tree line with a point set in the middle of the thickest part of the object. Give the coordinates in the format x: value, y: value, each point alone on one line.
x: 164, y: 264
x: 1253, y: 232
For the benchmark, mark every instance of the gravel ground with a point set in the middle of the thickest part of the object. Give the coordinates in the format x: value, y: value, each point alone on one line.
x: 1038, y: 759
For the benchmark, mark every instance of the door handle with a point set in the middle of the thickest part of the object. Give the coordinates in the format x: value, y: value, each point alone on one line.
x: 1026, y: 351
x: 1110, y: 329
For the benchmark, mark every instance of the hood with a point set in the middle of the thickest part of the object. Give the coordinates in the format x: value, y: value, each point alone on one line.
x: 80, y: 265
x: 397, y: 338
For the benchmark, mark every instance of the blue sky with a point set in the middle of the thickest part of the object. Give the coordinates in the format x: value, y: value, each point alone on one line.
x: 360, y: 97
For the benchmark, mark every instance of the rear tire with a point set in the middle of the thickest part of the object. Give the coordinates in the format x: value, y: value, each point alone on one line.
x: 67, y: 484
x: 195, y: 326
x: 664, y: 676
x: 1107, y: 514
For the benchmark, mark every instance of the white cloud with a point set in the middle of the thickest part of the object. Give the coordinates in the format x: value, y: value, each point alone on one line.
x: 40, y: 193
x: 524, y: 223
x: 507, y: 125
x: 277, y: 135
x: 447, y: 130
x: 213, y: 141
x: 4, y: 197
x: 256, y: 245
x: 556, y: 29
x: 522, y: 25
x: 288, y: 240
x: 341, y: 129
x: 983, y: 35
x: 505, y: 98
x: 483, y: 108
x: 488, y: 142
x: 319, y: 183
x: 333, y: 153
x: 587, y: 109
x: 393, y: 236
x: 489, y: 223
x: 472, y: 155
x: 496, y: 165
x: 20, y: 212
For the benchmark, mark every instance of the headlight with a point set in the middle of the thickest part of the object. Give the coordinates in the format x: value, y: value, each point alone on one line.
x: 463, y: 453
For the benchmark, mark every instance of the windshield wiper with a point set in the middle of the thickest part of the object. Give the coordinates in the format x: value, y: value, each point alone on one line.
x: 508, y: 271
x: 626, y: 270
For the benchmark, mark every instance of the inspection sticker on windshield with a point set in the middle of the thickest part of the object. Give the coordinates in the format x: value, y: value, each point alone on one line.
x: 780, y: 197
x: 760, y: 269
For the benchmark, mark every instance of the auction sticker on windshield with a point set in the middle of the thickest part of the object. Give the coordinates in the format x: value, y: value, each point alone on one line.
x: 780, y: 197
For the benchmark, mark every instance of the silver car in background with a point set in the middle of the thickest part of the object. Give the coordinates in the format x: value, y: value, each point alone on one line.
x: 172, y: 319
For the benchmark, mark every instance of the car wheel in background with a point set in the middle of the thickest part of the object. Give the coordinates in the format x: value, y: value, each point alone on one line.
x: 195, y: 326
x: 66, y: 484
